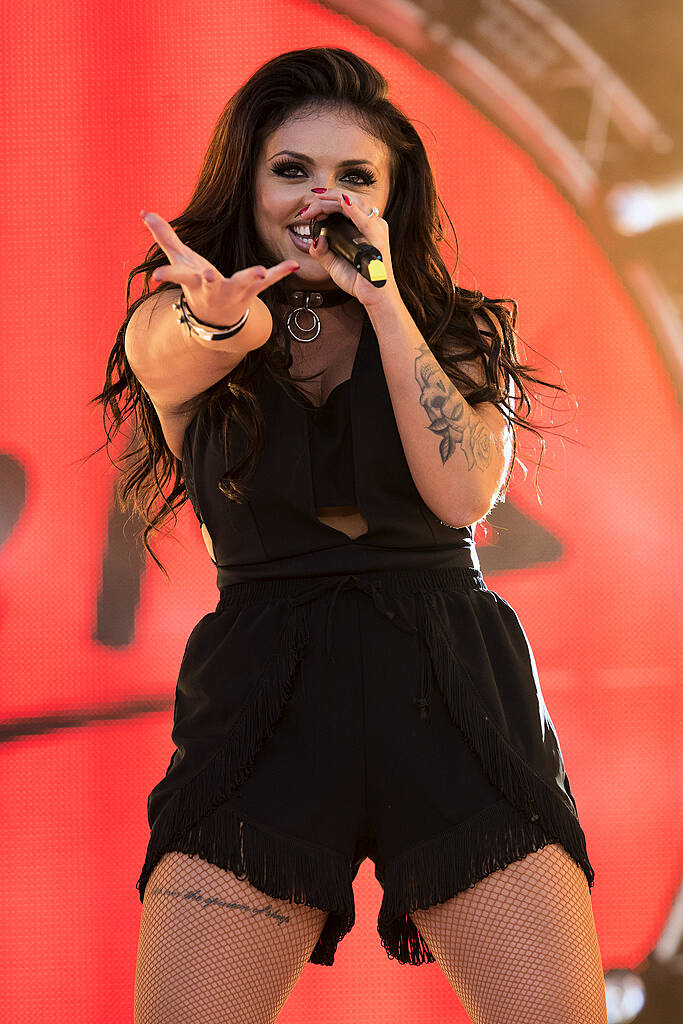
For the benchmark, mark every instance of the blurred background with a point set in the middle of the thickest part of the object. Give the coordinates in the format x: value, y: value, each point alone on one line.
x: 556, y: 134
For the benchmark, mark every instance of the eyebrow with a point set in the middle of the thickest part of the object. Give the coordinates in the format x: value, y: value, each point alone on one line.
x: 307, y: 159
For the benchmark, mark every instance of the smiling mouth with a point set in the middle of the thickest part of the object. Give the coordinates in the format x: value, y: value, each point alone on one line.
x: 299, y: 232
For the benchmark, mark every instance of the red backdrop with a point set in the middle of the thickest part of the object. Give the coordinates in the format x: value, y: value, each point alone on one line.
x: 107, y: 109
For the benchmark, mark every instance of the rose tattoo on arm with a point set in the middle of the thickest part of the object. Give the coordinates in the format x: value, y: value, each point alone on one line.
x: 451, y: 418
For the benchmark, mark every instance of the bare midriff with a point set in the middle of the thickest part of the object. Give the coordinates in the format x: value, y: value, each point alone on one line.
x: 345, y: 518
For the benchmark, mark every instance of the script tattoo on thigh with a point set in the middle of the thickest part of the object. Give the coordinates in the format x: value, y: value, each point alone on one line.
x: 195, y: 895
x: 451, y: 418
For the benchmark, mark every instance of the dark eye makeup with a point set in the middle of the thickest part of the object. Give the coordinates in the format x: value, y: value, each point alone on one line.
x: 280, y: 166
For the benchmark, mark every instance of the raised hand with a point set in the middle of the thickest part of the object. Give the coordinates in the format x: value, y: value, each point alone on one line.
x: 211, y: 297
x: 372, y: 227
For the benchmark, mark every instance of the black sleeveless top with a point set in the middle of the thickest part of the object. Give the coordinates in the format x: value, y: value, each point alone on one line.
x: 331, y: 446
x: 347, y: 452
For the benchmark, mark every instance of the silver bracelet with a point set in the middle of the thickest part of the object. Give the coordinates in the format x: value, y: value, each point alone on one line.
x: 199, y: 327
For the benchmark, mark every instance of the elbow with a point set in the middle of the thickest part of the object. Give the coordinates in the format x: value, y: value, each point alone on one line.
x: 458, y: 518
x: 459, y: 521
x: 470, y: 500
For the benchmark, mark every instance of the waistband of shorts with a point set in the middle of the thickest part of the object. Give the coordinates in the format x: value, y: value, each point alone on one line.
x: 393, y: 581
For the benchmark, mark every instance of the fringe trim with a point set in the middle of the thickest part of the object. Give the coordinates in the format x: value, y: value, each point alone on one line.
x: 462, y: 857
x: 280, y: 866
x: 232, y: 764
x: 504, y: 766
x: 438, y: 869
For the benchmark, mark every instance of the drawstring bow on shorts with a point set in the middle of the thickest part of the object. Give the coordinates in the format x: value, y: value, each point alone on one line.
x: 373, y: 590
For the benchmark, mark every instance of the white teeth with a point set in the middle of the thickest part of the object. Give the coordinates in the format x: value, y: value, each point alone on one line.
x: 304, y: 232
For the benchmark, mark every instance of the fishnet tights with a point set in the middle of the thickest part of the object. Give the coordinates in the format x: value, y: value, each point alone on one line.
x: 201, y: 961
x: 520, y: 947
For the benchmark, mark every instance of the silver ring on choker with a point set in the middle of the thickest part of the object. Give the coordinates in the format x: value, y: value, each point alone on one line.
x: 306, y: 330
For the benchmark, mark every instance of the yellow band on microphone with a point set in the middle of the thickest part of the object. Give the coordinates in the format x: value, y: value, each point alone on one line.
x: 377, y: 270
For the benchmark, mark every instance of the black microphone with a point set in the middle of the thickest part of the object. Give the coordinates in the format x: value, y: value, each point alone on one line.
x: 345, y: 239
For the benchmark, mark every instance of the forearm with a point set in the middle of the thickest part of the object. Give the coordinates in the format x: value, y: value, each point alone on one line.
x: 253, y: 334
x: 456, y: 460
x: 172, y: 363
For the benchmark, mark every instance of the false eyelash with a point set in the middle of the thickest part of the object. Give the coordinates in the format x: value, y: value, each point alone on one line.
x: 368, y: 177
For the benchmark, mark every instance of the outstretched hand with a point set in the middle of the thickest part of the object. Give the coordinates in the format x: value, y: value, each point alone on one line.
x: 213, y: 298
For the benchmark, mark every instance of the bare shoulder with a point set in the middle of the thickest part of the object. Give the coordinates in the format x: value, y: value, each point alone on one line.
x: 143, y: 316
x: 170, y: 367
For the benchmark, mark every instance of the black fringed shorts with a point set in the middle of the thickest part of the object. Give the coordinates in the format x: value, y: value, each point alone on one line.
x: 395, y: 715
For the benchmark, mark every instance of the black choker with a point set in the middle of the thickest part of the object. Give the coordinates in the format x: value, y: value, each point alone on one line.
x: 308, y: 302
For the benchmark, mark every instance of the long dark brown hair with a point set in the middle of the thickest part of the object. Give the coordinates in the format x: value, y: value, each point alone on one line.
x: 218, y: 223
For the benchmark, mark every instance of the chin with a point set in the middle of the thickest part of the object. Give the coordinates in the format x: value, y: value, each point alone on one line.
x: 314, y: 275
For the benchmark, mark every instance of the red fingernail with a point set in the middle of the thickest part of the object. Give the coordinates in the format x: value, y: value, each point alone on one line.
x: 318, y: 190
x: 315, y: 242
x: 303, y: 210
x: 346, y: 199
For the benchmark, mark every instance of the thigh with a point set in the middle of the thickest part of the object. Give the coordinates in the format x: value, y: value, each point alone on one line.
x: 520, y: 946
x: 215, y: 950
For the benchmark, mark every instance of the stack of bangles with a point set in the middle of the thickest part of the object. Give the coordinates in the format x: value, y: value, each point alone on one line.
x: 199, y: 327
